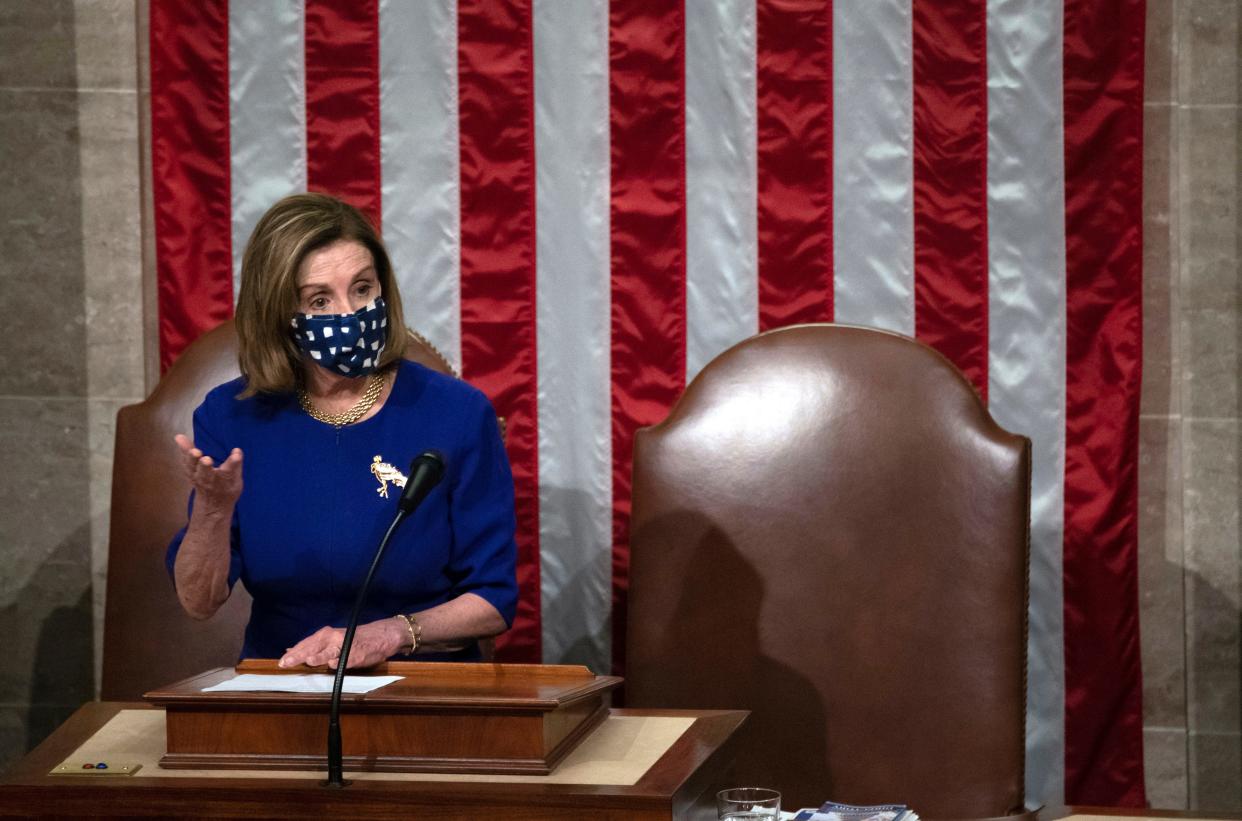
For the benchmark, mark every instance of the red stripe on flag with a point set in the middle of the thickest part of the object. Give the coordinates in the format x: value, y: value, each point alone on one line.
x: 794, y: 94
x: 342, y: 101
x: 1103, y: 69
x: 950, y: 183
x: 498, y: 344
x: 190, y: 170
x: 647, y: 95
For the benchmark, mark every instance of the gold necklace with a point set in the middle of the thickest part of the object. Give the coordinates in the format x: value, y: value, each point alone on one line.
x: 339, y: 420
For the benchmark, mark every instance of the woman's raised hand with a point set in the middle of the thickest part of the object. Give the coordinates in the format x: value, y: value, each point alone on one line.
x: 215, y: 487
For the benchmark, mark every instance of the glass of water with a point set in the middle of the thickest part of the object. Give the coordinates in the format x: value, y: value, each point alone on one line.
x: 748, y: 803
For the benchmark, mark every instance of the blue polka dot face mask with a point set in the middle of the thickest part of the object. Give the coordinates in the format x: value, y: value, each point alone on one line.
x: 348, y: 344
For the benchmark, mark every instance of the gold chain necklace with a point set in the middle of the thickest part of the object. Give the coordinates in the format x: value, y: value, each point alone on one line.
x: 339, y: 420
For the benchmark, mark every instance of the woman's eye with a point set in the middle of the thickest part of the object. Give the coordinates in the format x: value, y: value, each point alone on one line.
x: 318, y: 303
x: 364, y: 289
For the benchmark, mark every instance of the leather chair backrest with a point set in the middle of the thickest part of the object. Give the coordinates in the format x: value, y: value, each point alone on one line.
x: 149, y: 641
x: 831, y: 531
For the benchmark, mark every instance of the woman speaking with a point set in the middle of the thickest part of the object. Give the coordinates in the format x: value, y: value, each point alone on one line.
x: 296, y: 466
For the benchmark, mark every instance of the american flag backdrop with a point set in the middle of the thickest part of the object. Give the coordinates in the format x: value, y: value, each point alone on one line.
x: 585, y: 201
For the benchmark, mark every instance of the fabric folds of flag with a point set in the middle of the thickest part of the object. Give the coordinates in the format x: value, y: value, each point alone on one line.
x: 585, y: 202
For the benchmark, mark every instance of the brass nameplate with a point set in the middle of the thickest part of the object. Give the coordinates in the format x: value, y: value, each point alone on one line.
x: 96, y: 768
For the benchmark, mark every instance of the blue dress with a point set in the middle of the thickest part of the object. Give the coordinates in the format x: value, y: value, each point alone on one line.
x: 313, y: 508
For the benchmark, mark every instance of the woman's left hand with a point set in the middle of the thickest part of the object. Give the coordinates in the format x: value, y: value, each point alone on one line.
x: 373, y: 643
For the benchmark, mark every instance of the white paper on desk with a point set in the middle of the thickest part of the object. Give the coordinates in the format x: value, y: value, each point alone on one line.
x: 312, y: 683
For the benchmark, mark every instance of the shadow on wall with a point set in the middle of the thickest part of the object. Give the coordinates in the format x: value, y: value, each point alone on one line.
x: 63, y: 677
x: 49, y: 625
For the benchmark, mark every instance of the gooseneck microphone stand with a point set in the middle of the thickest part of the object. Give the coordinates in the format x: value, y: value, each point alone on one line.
x: 425, y: 473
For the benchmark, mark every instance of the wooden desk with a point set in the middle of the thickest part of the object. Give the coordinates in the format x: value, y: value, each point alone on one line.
x: 681, y: 784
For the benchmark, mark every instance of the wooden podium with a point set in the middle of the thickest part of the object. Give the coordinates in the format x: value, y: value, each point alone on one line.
x: 448, y: 741
x: 680, y: 784
x: 498, y: 719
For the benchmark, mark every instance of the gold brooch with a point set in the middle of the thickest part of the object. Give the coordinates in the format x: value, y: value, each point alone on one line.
x: 386, y: 473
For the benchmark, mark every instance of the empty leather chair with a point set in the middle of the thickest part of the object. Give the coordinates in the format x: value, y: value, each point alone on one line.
x: 149, y: 641
x: 830, y: 530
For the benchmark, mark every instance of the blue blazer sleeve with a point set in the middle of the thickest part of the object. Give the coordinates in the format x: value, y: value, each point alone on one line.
x: 206, y: 440
x: 484, y: 556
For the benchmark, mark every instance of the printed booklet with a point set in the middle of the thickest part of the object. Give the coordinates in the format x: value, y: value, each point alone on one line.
x: 832, y: 811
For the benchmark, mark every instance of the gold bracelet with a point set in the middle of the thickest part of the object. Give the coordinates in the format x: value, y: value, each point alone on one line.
x: 416, y: 632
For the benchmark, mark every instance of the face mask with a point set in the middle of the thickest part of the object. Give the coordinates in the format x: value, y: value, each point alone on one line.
x: 348, y: 344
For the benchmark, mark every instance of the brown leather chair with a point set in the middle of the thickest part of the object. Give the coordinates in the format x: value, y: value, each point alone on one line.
x: 831, y: 531
x: 149, y: 641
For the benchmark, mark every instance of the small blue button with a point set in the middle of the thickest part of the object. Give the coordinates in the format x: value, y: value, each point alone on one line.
x: 101, y: 766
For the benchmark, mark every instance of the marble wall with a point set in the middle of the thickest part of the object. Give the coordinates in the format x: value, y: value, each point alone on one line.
x: 70, y: 262
x: 78, y: 238
x: 1190, y: 433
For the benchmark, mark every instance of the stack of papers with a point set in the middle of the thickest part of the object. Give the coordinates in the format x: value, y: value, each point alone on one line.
x: 312, y: 683
x: 832, y: 811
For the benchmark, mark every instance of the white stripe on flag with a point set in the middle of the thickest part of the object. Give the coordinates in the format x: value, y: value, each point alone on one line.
x: 1026, y: 362
x: 267, y: 112
x: 572, y: 299
x: 873, y: 166
x: 722, y: 297
x: 420, y: 189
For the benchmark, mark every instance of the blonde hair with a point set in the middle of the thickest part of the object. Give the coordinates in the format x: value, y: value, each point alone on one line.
x: 295, y: 226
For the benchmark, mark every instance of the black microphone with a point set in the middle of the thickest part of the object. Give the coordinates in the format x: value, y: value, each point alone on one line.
x: 426, y: 471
